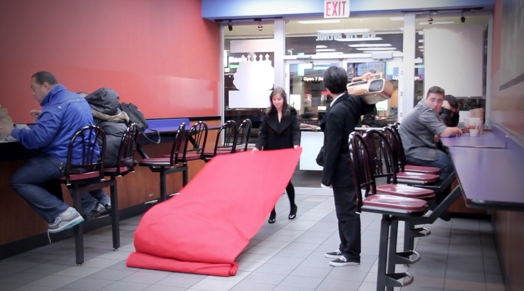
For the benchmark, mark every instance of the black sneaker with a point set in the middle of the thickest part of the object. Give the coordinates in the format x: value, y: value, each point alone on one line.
x: 99, y: 208
x: 333, y: 255
x: 106, y: 211
x: 343, y: 261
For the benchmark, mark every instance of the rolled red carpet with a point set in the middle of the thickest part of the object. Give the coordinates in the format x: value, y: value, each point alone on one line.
x: 204, y: 228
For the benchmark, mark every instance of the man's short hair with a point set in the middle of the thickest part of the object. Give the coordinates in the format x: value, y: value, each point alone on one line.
x: 452, y: 101
x: 436, y: 90
x: 336, y: 79
x: 43, y: 77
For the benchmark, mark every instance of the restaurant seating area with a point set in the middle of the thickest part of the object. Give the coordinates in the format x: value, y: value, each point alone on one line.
x: 288, y: 255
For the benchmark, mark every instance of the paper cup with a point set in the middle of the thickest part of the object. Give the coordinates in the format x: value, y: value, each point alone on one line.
x: 473, y: 132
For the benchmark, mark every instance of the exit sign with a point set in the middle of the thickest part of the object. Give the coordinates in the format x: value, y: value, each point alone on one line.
x: 336, y: 9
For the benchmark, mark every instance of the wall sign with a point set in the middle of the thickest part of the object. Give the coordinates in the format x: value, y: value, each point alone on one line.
x: 336, y: 9
x: 322, y: 36
x: 313, y: 79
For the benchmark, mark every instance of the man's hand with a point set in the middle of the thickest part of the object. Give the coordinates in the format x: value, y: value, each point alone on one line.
x: 5, y: 130
x: 35, y: 114
x: 254, y: 150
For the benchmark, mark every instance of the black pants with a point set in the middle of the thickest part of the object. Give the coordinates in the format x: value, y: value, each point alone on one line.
x: 348, y: 222
x: 290, y: 190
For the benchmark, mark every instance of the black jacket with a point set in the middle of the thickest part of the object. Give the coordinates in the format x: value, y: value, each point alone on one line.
x: 445, y: 115
x: 106, y: 114
x: 279, y: 135
x: 337, y: 124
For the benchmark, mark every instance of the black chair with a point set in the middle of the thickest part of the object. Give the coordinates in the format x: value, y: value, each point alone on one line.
x: 228, y: 134
x: 125, y: 165
x: 85, y: 173
x: 243, y: 135
x: 195, y: 143
x: 393, y: 208
x: 393, y: 135
x: 170, y: 164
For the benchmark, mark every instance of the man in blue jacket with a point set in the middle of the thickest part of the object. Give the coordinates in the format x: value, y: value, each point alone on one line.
x: 63, y: 114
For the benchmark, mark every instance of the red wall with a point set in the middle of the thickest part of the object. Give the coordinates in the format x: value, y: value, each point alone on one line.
x: 160, y: 55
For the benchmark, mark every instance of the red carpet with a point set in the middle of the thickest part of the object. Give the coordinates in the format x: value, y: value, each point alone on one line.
x: 204, y: 228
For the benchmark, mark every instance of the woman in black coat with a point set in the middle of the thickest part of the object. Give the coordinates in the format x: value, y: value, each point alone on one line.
x: 280, y: 130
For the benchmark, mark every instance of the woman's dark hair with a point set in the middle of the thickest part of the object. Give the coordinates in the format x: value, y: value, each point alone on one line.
x: 452, y: 101
x: 285, y: 106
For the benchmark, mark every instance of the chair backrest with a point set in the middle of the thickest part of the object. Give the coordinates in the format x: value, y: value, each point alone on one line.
x: 126, y: 160
x: 178, y: 144
x: 360, y: 166
x: 229, y: 131
x: 399, y: 149
x: 91, y: 141
x: 243, y: 134
x: 383, y: 163
x: 196, y: 139
x: 395, y: 145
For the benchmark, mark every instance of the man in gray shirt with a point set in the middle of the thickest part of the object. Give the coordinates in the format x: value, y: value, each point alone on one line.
x: 421, y: 129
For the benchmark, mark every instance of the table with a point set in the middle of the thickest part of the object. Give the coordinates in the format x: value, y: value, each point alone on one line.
x: 490, y: 178
x: 485, y: 140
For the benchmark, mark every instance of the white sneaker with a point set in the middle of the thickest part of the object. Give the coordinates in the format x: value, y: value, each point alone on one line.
x: 67, y: 219
x: 343, y: 261
x: 333, y: 255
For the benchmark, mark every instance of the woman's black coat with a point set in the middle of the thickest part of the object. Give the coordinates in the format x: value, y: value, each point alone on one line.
x: 279, y: 135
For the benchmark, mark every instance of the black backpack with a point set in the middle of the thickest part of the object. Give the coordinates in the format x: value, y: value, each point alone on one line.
x: 137, y: 117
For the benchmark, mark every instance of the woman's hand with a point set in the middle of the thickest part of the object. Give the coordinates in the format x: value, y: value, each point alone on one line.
x: 296, y: 146
x: 254, y: 150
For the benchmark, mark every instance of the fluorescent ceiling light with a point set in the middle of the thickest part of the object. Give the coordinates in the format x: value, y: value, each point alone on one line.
x: 399, y: 18
x: 436, y: 22
x: 329, y: 53
x: 420, y: 46
x: 319, y: 21
x: 325, y: 50
x: 376, y: 48
x: 321, y: 46
x: 368, y: 44
x: 359, y: 39
x: 318, y: 68
x: 420, y: 40
x: 351, y: 30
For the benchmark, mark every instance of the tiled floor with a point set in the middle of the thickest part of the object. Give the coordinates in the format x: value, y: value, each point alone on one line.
x: 287, y: 255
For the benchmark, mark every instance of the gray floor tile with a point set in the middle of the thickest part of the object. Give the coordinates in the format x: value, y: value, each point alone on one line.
x: 339, y: 285
x: 299, y: 281
x: 128, y: 286
x: 252, y: 286
x: 55, y: 281
x: 9, y: 286
x: 311, y: 271
x: 180, y: 280
x: 114, y: 275
x: 145, y: 277
x: 22, y: 277
x: 89, y: 284
x: 264, y: 278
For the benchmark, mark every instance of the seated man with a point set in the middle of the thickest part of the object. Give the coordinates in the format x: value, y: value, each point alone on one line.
x: 420, y: 130
x: 449, y: 112
x: 63, y: 114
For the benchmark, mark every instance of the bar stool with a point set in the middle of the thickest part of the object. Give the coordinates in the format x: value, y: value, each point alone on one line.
x: 393, y: 209
x: 228, y: 145
x: 243, y: 132
x: 391, y: 131
x: 125, y: 165
x: 169, y: 165
x: 85, y: 173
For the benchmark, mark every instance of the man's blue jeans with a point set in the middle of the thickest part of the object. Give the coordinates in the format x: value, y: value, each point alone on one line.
x: 30, y: 180
x: 443, y: 162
